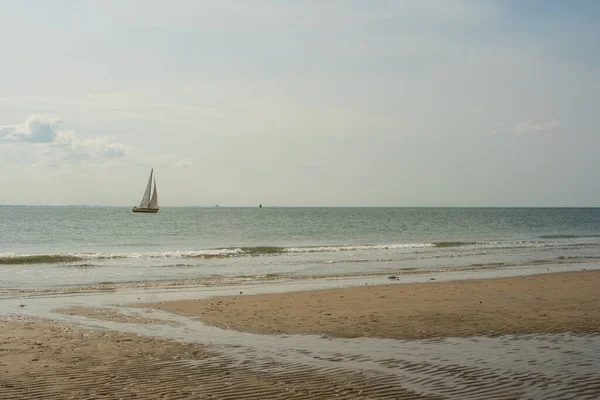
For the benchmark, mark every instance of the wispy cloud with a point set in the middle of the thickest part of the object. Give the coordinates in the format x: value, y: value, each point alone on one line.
x: 531, y: 127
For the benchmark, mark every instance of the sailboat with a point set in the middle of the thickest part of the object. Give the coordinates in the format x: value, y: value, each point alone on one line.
x: 149, y: 204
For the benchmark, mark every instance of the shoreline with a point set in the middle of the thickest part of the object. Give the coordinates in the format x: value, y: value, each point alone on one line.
x: 404, y: 275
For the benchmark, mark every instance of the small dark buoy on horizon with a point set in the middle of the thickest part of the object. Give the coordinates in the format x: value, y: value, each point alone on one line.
x: 260, y: 206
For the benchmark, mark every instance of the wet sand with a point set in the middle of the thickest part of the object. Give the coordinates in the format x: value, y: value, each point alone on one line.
x: 42, y: 359
x: 51, y: 361
x: 545, y: 303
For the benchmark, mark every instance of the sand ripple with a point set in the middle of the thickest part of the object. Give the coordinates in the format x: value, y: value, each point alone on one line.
x: 157, y: 354
x: 46, y: 361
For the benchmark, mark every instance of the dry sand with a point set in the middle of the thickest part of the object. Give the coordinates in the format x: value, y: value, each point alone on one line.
x: 546, y: 303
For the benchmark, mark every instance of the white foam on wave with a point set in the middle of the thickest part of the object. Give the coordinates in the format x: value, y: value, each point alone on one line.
x: 230, y: 252
x: 414, y: 248
x: 323, y: 249
x: 150, y: 254
x: 164, y: 254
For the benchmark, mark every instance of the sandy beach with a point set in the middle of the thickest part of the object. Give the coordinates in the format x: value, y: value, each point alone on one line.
x: 546, y: 303
x: 40, y: 360
x: 44, y: 359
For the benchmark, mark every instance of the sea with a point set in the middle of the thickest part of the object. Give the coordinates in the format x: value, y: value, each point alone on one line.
x: 76, y: 246
x: 109, y: 260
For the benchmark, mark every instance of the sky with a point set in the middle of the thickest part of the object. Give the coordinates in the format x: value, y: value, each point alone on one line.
x: 308, y: 103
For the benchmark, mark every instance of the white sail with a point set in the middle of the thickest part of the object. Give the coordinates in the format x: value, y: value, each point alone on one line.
x: 146, y: 199
x: 154, y: 200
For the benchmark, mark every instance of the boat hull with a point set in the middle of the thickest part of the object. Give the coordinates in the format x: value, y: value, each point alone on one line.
x: 145, y: 210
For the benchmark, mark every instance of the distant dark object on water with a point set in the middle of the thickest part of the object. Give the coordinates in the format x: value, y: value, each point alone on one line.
x: 260, y: 206
x: 392, y: 277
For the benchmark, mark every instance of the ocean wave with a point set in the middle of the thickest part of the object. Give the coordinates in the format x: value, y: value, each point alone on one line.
x: 38, y: 259
x: 569, y: 236
x: 351, y: 247
x: 453, y: 244
x: 69, y: 258
x: 443, y: 249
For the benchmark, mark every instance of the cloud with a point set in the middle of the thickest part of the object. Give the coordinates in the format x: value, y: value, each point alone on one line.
x: 94, y: 147
x: 45, y: 130
x: 36, y: 129
x: 56, y: 146
x: 531, y: 127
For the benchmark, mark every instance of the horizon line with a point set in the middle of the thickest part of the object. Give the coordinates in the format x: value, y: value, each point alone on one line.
x: 291, y: 206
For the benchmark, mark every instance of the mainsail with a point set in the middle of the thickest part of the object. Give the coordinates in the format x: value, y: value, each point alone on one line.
x: 154, y: 200
x: 149, y: 205
x: 146, y: 199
